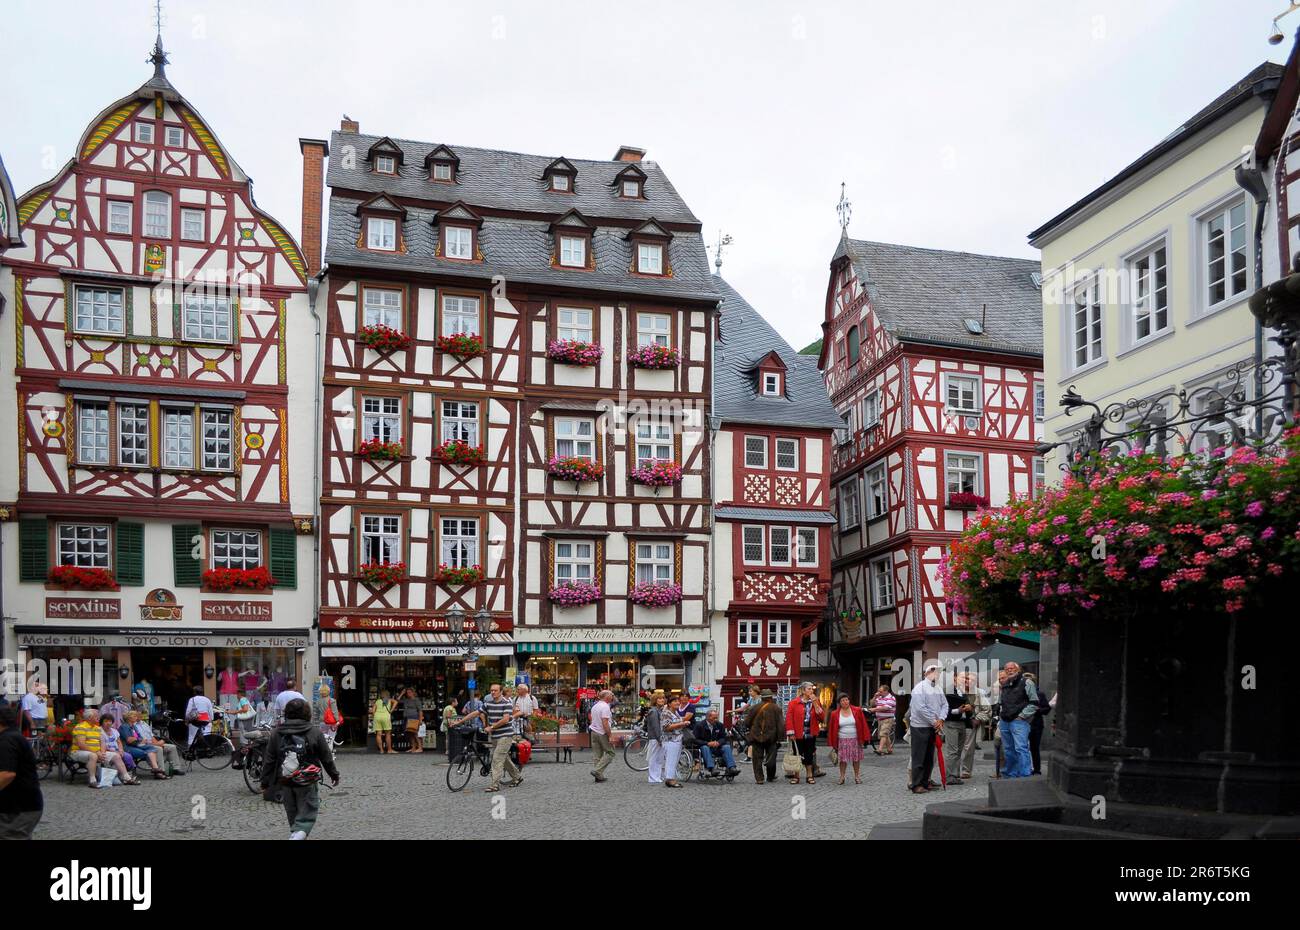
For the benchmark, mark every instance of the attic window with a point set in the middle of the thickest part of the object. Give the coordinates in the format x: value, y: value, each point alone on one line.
x: 560, y: 182
x: 442, y: 171
x: 772, y: 383
x: 385, y: 164
x: 632, y: 189
x: 974, y: 326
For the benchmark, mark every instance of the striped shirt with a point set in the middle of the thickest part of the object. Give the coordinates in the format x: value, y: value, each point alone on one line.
x: 885, y: 705
x: 497, y: 710
x: 89, y: 735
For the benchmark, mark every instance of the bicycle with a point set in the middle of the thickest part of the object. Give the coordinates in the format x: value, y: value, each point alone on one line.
x: 210, y: 750
x: 47, y: 760
x: 252, y: 756
x: 635, y: 748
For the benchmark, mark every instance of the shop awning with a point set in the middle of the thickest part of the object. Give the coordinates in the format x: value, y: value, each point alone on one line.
x: 555, y: 648
x: 345, y: 643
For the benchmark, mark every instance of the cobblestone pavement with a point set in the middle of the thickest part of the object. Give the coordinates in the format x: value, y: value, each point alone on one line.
x: 406, y: 797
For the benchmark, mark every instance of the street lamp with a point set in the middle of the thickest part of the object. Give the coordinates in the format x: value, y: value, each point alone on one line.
x: 469, y: 639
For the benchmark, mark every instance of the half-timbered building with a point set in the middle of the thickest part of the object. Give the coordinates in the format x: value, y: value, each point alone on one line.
x: 158, y: 502
x: 934, y: 358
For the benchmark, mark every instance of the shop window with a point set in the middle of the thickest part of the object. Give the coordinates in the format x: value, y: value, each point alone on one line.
x: 555, y: 685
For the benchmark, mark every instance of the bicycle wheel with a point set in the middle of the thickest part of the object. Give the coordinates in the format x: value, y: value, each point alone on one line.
x: 216, y: 752
x: 461, y: 771
x: 45, y: 760
x: 685, y: 766
x: 634, y: 754
x: 253, y: 770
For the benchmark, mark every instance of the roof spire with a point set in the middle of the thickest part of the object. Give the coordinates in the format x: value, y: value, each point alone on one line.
x: 724, y: 240
x: 159, y: 57
x: 845, y: 211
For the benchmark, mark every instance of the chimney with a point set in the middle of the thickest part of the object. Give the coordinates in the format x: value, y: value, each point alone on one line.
x: 348, y: 124
x: 314, y: 153
x: 628, y: 153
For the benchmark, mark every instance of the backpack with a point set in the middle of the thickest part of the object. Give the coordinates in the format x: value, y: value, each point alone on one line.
x: 295, y: 765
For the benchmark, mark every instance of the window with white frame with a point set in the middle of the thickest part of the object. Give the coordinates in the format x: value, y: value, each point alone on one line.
x: 460, y: 242
x: 631, y: 188
x: 441, y: 171
x: 207, y: 316
x: 178, y: 437
x: 778, y: 634
x: 1040, y: 475
x: 559, y: 182
x: 218, y: 442
x: 459, y: 315
x: 157, y: 214
x: 92, y: 433
x: 385, y: 164
x: 143, y: 131
x: 778, y: 538
x: 1085, y: 324
x: 85, y: 545
x: 192, y: 224
x: 805, y: 551
x: 175, y: 137
x: 787, y: 454
x: 756, y: 452
x: 381, y: 419
x: 460, y: 421
x: 653, y: 329
x: 654, y: 441
x: 882, y: 584
x: 381, y: 538
x: 381, y: 234
x: 654, y: 562
x: 575, y: 561
x: 575, y: 437
x: 1040, y: 401
x: 771, y: 383
x: 119, y: 217
x: 850, y: 512
x: 100, y: 310
x: 1223, y: 248
x: 962, y: 393
x: 240, y: 549
x: 1149, y: 281
x: 962, y: 471
x: 573, y: 251
x: 381, y: 306
x: 753, y: 545
x: 877, y: 492
x: 132, y: 434
x: 573, y: 323
x: 749, y: 633
x: 871, y: 409
x: 459, y: 542
x: 650, y: 258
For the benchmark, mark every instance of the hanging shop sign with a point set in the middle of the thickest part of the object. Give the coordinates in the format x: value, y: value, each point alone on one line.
x: 160, y: 604
x: 400, y: 622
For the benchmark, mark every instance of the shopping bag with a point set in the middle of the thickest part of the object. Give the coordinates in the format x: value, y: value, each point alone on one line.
x: 108, y: 777
x: 791, y: 764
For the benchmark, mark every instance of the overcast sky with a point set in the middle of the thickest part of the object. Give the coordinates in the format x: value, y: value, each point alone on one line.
x: 954, y: 125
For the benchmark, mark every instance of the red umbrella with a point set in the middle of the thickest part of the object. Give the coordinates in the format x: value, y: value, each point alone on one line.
x: 943, y: 766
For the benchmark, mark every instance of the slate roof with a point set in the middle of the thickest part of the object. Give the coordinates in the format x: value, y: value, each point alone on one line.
x: 746, y: 339
x: 925, y: 295
x: 774, y: 513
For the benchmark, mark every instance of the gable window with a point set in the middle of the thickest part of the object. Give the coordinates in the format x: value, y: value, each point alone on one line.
x: 654, y: 562
x: 459, y: 544
x: 1085, y: 333
x: 787, y: 454
x: 100, y: 310
x: 756, y: 452
x: 1223, y: 244
x: 85, y: 545
x: 573, y: 251
x: 574, y: 323
x: 157, y: 214
x: 805, y: 546
x: 575, y: 560
x: 575, y: 438
x: 460, y: 421
x: 1040, y: 401
x: 877, y: 492
x: 381, y: 419
x: 850, y: 513
x: 381, y: 538
x: 654, y: 441
x: 178, y: 438
x: 119, y: 217
x: 239, y: 549
x: 218, y: 443
x: 459, y: 315
x: 381, y: 307
x: 631, y: 188
x: 962, y: 473
x: 871, y: 409
x: 92, y: 433
x: 771, y: 383
x: 560, y: 182
x: 442, y: 171
x: 381, y: 234
x: 779, y: 545
x: 652, y: 329
x: 143, y: 131
x: 962, y: 393
x: 192, y: 224
x: 882, y: 584
x: 175, y: 137
x: 207, y: 316
x: 649, y: 258
x: 855, y: 349
x: 385, y: 164
x: 133, y: 434
x: 778, y: 634
x: 752, y: 540
x: 1148, y: 278
x: 749, y: 633
x: 460, y: 242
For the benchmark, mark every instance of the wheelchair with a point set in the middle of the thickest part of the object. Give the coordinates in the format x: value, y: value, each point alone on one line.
x: 700, y: 773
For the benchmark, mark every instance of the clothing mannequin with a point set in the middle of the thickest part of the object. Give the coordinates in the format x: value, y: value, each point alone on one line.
x: 228, y: 687
x: 277, y: 683
x: 251, y: 680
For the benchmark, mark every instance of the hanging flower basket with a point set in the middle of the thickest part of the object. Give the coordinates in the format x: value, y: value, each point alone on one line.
x: 965, y: 500
x: 382, y: 574
x: 383, y: 338
x: 87, y: 579
x: 656, y: 594
x: 461, y: 345
x: 574, y: 352
x: 228, y: 579
x: 448, y: 574
x: 654, y: 356
x: 574, y: 468
x: 376, y: 450
x: 658, y: 473
x: 459, y: 452
x: 575, y: 594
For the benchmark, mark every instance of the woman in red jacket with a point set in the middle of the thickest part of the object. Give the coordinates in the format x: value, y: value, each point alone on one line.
x: 847, y: 732
x: 803, y: 719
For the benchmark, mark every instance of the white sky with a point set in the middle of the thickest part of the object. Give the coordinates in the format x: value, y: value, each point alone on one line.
x: 955, y: 125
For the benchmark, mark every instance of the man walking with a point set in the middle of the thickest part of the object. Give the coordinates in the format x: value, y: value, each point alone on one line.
x: 501, y: 717
x: 764, y: 723
x: 1019, y: 704
x: 966, y: 713
x: 295, y: 754
x: 926, y: 714
x: 36, y: 709
x: 21, y: 802
x: 601, y: 729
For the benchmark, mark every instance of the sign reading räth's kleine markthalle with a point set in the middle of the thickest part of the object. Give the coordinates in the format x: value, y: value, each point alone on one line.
x: 235, y: 610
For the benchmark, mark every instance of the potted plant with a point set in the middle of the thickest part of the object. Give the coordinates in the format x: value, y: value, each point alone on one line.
x: 574, y: 468
x: 459, y: 452
x: 575, y: 594
x: 574, y: 352
x: 654, y: 357
x: 86, y: 579
x: 457, y: 575
x: 376, y: 450
x: 382, y: 574
x: 967, y: 500
x: 657, y: 473
x: 461, y: 345
x: 656, y: 594
x: 383, y: 338
x: 227, y: 579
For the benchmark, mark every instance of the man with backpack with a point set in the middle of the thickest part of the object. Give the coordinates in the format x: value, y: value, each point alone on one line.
x: 295, y: 754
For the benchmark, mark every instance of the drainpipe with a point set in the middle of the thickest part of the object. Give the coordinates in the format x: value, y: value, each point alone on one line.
x: 313, y: 290
x: 1251, y: 179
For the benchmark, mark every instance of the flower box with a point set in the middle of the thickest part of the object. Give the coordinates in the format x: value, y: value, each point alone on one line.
x: 574, y: 352
x: 658, y: 473
x: 228, y: 579
x: 965, y: 500
x: 574, y: 468
x: 656, y: 594
x: 376, y: 450
x: 575, y: 594
x: 461, y: 345
x: 449, y: 574
x: 382, y: 574
x: 87, y: 579
x: 459, y: 452
x: 383, y: 338
x: 654, y: 357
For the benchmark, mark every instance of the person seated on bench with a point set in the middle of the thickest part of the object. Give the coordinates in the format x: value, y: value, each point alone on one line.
x: 144, y: 731
x: 141, y: 752
x: 713, y: 740
x: 88, y: 749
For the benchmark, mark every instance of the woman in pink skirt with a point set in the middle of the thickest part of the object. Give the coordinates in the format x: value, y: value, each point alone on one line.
x: 847, y: 733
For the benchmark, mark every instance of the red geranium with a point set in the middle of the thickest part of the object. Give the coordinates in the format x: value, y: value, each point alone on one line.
x: 227, y: 579
x: 383, y: 338
x: 462, y: 345
x: 88, y: 579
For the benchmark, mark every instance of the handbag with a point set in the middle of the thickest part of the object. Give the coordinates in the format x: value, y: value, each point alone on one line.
x: 413, y: 725
x: 835, y: 756
x: 791, y: 764
x: 421, y: 732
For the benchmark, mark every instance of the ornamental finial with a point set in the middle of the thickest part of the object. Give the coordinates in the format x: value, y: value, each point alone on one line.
x: 844, y: 209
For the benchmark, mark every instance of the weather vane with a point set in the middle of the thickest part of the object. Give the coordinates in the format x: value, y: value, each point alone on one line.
x: 844, y: 209
x: 724, y: 240
x: 158, y: 58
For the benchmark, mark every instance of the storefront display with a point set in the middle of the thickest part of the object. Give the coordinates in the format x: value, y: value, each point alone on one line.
x: 555, y: 685
x: 620, y: 674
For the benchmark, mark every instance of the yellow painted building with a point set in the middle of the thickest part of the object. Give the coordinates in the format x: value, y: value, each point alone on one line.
x: 1146, y: 278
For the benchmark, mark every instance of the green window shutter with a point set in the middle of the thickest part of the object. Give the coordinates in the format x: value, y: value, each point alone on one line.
x: 130, y: 553
x: 188, y: 570
x: 284, y: 558
x: 33, y: 550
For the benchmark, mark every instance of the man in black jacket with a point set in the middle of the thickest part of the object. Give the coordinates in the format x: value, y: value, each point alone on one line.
x: 299, y: 788
x: 713, y: 740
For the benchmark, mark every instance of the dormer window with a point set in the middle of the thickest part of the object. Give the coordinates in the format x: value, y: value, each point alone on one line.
x: 630, y: 182
x: 572, y: 241
x: 650, y: 249
x: 650, y: 258
x: 458, y: 232
x: 573, y: 251
x: 560, y: 176
x: 560, y: 182
x: 385, y: 164
x: 441, y: 171
x: 385, y: 156
x: 443, y: 164
x: 381, y: 234
x: 632, y: 189
x: 772, y: 383
x: 459, y: 241
x: 381, y: 224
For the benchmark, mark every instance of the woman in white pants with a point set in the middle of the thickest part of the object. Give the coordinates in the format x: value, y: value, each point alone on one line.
x: 654, y: 751
x: 673, y: 723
